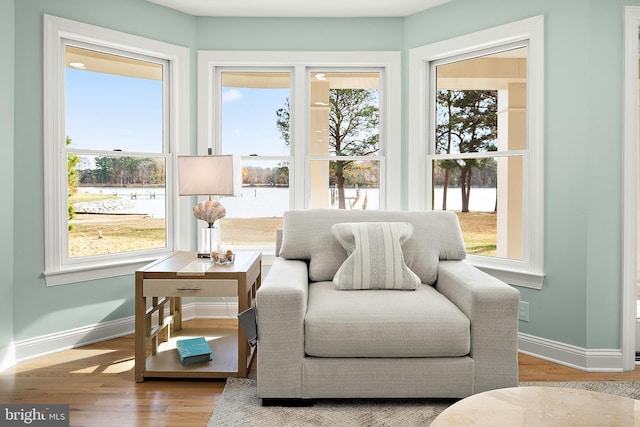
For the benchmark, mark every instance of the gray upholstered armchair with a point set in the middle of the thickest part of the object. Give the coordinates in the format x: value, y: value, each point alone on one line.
x: 354, y: 323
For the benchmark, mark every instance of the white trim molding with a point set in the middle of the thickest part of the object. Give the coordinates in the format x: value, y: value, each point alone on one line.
x: 630, y: 187
x: 590, y: 360
x: 78, y: 337
x: 525, y: 280
x: 58, y: 268
x: 528, y: 272
x: 299, y: 62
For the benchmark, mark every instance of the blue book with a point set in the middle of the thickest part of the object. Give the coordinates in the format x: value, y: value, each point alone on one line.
x: 193, y: 350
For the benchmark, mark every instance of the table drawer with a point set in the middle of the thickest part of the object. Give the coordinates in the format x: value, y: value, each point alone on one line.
x: 189, y: 287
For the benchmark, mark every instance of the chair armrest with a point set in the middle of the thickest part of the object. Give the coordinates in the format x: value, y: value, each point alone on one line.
x: 281, y: 305
x: 279, y: 232
x: 492, y: 307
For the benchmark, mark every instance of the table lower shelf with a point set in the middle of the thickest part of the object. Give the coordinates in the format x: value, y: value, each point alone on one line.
x: 224, y: 346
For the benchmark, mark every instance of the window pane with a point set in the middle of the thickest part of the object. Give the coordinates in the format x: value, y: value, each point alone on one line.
x: 480, y: 106
x: 255, y: 122
x: 487, y: 195
x: 113, y: 102
x: 255, y: 113
x: 344, y: 121
x: 481, y: 103
x: 466, y: 121
x: 344, y: 114
x: 116, y: 204
x: 345, y: 184
x: 253, y: 217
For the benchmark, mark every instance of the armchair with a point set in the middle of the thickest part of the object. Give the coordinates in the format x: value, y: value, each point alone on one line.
x: 454, y: 335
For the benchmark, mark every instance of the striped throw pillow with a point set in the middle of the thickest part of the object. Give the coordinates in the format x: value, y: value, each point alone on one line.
x: 375, y: 259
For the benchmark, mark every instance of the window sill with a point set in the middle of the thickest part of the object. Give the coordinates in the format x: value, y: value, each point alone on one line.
x: 524, y: 279
x: 105, y: 270
x: 267, y: 251
x: 85, y: 273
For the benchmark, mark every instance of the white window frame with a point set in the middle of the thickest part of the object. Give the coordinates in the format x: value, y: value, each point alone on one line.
x: 58, y: 268
x: 528, y: 272
x: 300, y: 63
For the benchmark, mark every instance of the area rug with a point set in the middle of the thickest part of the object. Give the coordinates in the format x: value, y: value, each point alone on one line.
x: 240, y: 406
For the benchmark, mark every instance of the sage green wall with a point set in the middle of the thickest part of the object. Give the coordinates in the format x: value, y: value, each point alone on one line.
x: 6, y: 174
x: 38, y: 309
x: 580, y: 301
x: 300, y: 34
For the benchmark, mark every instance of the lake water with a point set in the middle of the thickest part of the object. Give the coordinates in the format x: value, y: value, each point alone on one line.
x: 272, y: 202
x: 480, y: 199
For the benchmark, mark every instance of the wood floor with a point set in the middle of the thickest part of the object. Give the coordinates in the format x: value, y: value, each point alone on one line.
x: 97, y: 382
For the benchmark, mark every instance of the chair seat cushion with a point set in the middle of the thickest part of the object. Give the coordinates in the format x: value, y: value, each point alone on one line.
x: 383, y: 323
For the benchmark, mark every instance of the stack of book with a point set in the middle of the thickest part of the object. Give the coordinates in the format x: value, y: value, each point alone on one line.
x: 193, y: 350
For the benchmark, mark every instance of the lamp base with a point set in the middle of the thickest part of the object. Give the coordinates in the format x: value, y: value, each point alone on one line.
x: 209, y: 241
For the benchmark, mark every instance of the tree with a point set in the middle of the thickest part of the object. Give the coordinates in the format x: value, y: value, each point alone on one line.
x: 127, y: 170
x: 446, y: 134
x: 353, y: 129
x: 73, y: 179
x: 467, y: 123
x: 281, y: 175
x: 283, y: 121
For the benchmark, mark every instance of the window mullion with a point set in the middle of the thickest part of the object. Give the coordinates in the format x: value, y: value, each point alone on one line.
x: 299, y: 138
x: 345, y: 158
x: 477, y: 155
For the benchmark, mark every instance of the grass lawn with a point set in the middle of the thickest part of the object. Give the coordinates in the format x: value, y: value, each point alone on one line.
x: 479, y: 232
x: 102, y: 234
x: 95, y: 234
x: 244, y: 231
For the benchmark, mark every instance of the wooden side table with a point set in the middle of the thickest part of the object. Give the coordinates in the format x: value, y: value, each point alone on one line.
x: 160, y: 287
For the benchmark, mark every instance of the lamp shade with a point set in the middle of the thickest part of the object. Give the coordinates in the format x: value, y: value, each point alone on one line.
x: 209, y: 175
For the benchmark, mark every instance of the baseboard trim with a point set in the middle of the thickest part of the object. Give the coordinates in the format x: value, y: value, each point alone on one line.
x: 589, y: 360
x: 78, y: 337
x: 210, y: 310
x: 53, y: 343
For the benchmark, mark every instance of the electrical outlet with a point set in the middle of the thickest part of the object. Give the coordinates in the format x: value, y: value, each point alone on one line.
x: 523, y: 311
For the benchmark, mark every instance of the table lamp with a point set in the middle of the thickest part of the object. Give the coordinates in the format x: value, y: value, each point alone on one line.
x: 209, y: 176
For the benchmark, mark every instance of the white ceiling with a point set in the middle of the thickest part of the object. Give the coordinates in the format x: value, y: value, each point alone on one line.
x: 300, y: 8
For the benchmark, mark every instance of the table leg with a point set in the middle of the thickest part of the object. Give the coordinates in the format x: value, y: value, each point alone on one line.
x: 176, y: 312
x: 140, y: 327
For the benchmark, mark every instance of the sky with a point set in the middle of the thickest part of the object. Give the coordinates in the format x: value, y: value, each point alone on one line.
x: 109, y: 112
x: 249, y: 121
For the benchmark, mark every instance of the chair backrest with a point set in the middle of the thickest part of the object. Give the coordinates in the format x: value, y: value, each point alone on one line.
x: 307, y: 236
